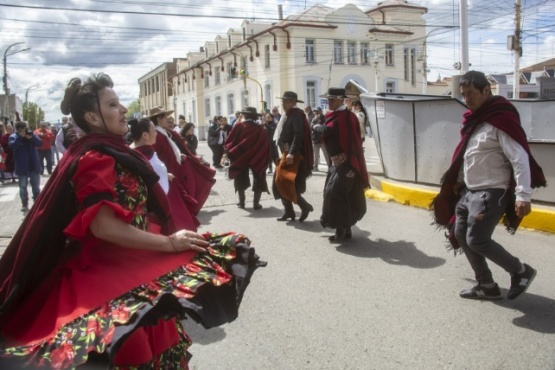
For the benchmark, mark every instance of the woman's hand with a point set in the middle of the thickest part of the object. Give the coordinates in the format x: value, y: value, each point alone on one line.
x: 170, y: 176
x: 187, y: 240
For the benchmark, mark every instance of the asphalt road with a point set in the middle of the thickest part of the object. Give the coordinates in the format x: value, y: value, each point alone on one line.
x: 387, y: 299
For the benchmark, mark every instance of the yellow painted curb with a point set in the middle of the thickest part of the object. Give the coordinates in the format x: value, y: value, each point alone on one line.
x: 539, y: 219
x: 420, y: 198
x: 378, y: 195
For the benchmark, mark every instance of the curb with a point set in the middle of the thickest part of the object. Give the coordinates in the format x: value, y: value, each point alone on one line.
x: 540, y: 219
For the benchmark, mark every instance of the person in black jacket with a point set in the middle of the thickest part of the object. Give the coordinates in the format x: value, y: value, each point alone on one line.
x: 188, y: 135
x: 216, y: 139
x: 293, y: 139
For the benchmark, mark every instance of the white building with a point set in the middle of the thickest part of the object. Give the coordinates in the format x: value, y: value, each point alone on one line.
x: 378, y: 50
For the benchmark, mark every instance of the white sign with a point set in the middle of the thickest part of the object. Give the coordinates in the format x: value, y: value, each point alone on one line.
x: 380, y: 108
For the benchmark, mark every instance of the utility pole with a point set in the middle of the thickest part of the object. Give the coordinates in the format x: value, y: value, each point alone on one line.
x: 5, y: 77
x: 464, y: 36
x: 517, y: 51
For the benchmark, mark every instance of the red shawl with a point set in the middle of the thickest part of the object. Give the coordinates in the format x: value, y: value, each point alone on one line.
x: 199, y: 178
x: 39, y: 244
x: 247, y: 146
x: 500, y: 113
x: 350, y: 140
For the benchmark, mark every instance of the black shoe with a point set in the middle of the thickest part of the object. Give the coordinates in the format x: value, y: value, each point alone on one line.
x: 24, y: 208
x: 338, y: 237
x: 305, y: 211
x: 257, y: 206
x: 286, y: 216
x: 481, y: 292
x: 521, y: 282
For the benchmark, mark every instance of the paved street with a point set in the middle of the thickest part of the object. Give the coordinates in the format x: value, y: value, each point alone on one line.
x: 387, y: 299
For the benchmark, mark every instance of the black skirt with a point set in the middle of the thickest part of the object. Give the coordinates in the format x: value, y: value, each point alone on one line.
x: 344, y: 200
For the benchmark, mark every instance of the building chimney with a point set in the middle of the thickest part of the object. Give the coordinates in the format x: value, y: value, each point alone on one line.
x: 280, y: 12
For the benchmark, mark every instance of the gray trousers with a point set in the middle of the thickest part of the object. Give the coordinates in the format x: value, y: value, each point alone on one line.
x: 478, y: 212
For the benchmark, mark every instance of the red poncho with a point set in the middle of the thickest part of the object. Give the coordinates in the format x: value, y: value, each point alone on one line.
x: 500, y: 113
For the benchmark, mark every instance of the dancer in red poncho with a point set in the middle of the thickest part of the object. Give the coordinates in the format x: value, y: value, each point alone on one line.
x: 248, y: 147
x: 193, y: 179
x: 491, y: 177
x: 344, y: 200
x: 98, y: 266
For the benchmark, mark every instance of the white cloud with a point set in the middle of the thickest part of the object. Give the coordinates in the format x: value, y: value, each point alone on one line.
x: 66, y: 43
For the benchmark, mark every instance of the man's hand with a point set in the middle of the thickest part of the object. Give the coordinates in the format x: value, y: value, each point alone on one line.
x: 522, y: 208
x: 289, y: 158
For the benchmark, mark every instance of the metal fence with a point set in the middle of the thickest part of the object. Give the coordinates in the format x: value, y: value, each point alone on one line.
x: 417, y: 134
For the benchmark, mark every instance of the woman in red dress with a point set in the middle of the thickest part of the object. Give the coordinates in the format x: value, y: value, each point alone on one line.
x: 193, y: 179
x: 98, y: 268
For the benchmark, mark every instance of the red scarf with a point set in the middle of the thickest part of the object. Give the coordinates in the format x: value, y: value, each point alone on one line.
x: 39, y: 244
x: 501, y: 114
x: 247, y: 146
x: 349, y: 140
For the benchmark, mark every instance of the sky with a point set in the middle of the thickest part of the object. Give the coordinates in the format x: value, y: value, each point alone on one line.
x: 128, y: 38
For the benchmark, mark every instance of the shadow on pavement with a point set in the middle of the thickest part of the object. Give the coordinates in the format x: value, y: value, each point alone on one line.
x: 393, y: 252
x: 537, y: 311
x: 203, y: 336
x: 205, y: 216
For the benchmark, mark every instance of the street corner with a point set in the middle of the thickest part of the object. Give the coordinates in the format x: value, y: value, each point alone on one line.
x: 409, y: 196
x: 540, y: 219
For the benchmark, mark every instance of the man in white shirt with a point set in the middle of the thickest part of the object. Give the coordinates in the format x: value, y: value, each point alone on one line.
x: 492, y: 174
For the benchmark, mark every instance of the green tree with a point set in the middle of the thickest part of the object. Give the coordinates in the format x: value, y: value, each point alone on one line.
x: 33, y: 114
x: 133, y: 108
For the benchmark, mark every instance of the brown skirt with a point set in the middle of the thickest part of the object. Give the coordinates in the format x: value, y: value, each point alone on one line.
x: 285, y: 177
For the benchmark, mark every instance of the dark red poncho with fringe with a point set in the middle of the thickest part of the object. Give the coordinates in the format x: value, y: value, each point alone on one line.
x: 500, y: 113
x: 247, y: 146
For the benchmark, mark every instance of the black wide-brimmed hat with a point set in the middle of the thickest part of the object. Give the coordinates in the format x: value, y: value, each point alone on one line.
x: 290, y: 95
x: 335, y: 93
x: 250, y: 111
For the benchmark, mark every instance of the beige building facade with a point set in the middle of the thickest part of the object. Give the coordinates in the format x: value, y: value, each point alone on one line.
x: 377, y: 50
x: 157, y: 89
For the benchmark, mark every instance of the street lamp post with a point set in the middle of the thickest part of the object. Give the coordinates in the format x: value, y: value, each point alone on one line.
x: 424, y: 61
x: 5, y: 77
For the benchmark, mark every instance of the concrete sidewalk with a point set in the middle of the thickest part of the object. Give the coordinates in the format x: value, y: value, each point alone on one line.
x: 542, y: 217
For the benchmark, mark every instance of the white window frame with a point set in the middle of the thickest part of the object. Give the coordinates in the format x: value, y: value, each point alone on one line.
x: 267, y: 56
x: 364, y: 51
x: 389, y: 55
x: 338, y: 51
x: 231, y: 103
x: 351, y: 52
x: 207, y: 107
x: 311, y: 87
x: 310, y: 55
x: 218, y: 105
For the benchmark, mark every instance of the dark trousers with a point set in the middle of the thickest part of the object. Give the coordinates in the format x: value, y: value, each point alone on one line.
x: 243, y: 182
x: 217, y: 153
x: 45, y: 154
x: 478, y: 212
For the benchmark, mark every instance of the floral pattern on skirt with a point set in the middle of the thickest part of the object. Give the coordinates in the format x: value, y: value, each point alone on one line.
x: 94, y: 331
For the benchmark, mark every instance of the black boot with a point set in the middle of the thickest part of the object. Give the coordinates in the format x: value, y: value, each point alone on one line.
x: 256, y: 200
x: 306, y: 208
x: 289, y: 211
x: 241, y: 203
x: 339, y: 235
x: 348, y: 233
